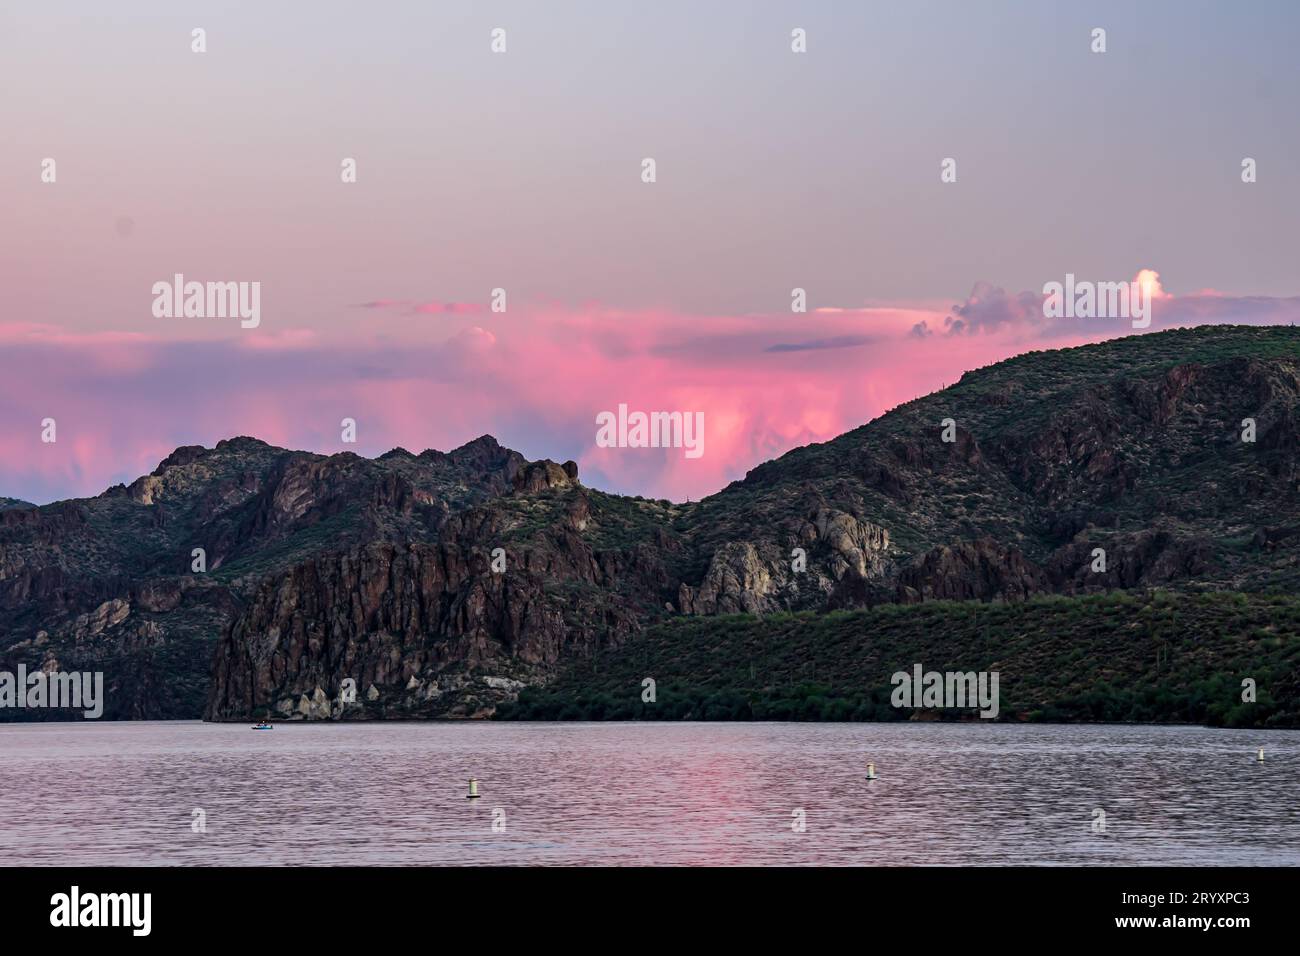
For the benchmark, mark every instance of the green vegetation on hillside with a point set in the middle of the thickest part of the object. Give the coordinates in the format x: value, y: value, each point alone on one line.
x: 1144, y: 657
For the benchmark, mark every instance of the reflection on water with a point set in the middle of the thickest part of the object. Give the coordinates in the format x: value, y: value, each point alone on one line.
x: 619, y: 793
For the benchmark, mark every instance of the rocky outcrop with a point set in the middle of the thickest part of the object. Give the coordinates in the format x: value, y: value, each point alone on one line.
x: 979, y: 570
x: 144, y: 490
x: 819, y: 553
x: 546, y: 475
x: 737, y: 581
x: 1146, y: 559
x: 109, y: 614
x: 856, y: 547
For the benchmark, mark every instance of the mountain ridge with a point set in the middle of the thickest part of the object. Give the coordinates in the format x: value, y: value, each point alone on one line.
x: 384, y: 571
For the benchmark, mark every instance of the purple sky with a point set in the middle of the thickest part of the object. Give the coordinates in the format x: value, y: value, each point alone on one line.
x: 522, y: 171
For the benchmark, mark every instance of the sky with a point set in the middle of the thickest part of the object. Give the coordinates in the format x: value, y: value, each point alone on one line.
x: 522, y: 170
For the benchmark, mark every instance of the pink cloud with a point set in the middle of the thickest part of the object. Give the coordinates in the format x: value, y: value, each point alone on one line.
x: 535, y: 377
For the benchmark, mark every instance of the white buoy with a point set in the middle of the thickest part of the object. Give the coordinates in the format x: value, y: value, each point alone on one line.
x: 1260, y: 758
x: 473, y: 789
x: 871, y: 771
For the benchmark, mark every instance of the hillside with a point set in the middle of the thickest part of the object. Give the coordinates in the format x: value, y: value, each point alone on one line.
x: 321, y: 569
x: 1133, y: 445
x: 1148, y: 657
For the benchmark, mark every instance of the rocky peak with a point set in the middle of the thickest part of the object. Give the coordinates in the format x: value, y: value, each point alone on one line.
x: 483, y: 452
x: 184, y: 455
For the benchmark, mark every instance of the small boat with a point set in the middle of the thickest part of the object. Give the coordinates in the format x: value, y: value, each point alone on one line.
x: 263, y: 726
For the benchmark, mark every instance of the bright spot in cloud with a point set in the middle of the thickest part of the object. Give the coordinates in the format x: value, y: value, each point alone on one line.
x: 1149, y: 280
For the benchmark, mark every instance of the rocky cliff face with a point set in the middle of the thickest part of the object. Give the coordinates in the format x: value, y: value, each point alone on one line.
x: 422, y: 630
x: 141, y: 581
x: 826, y: 548
x: 441, y: 582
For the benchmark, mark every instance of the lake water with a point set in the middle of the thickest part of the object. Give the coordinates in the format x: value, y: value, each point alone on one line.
x: 623, y: 793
